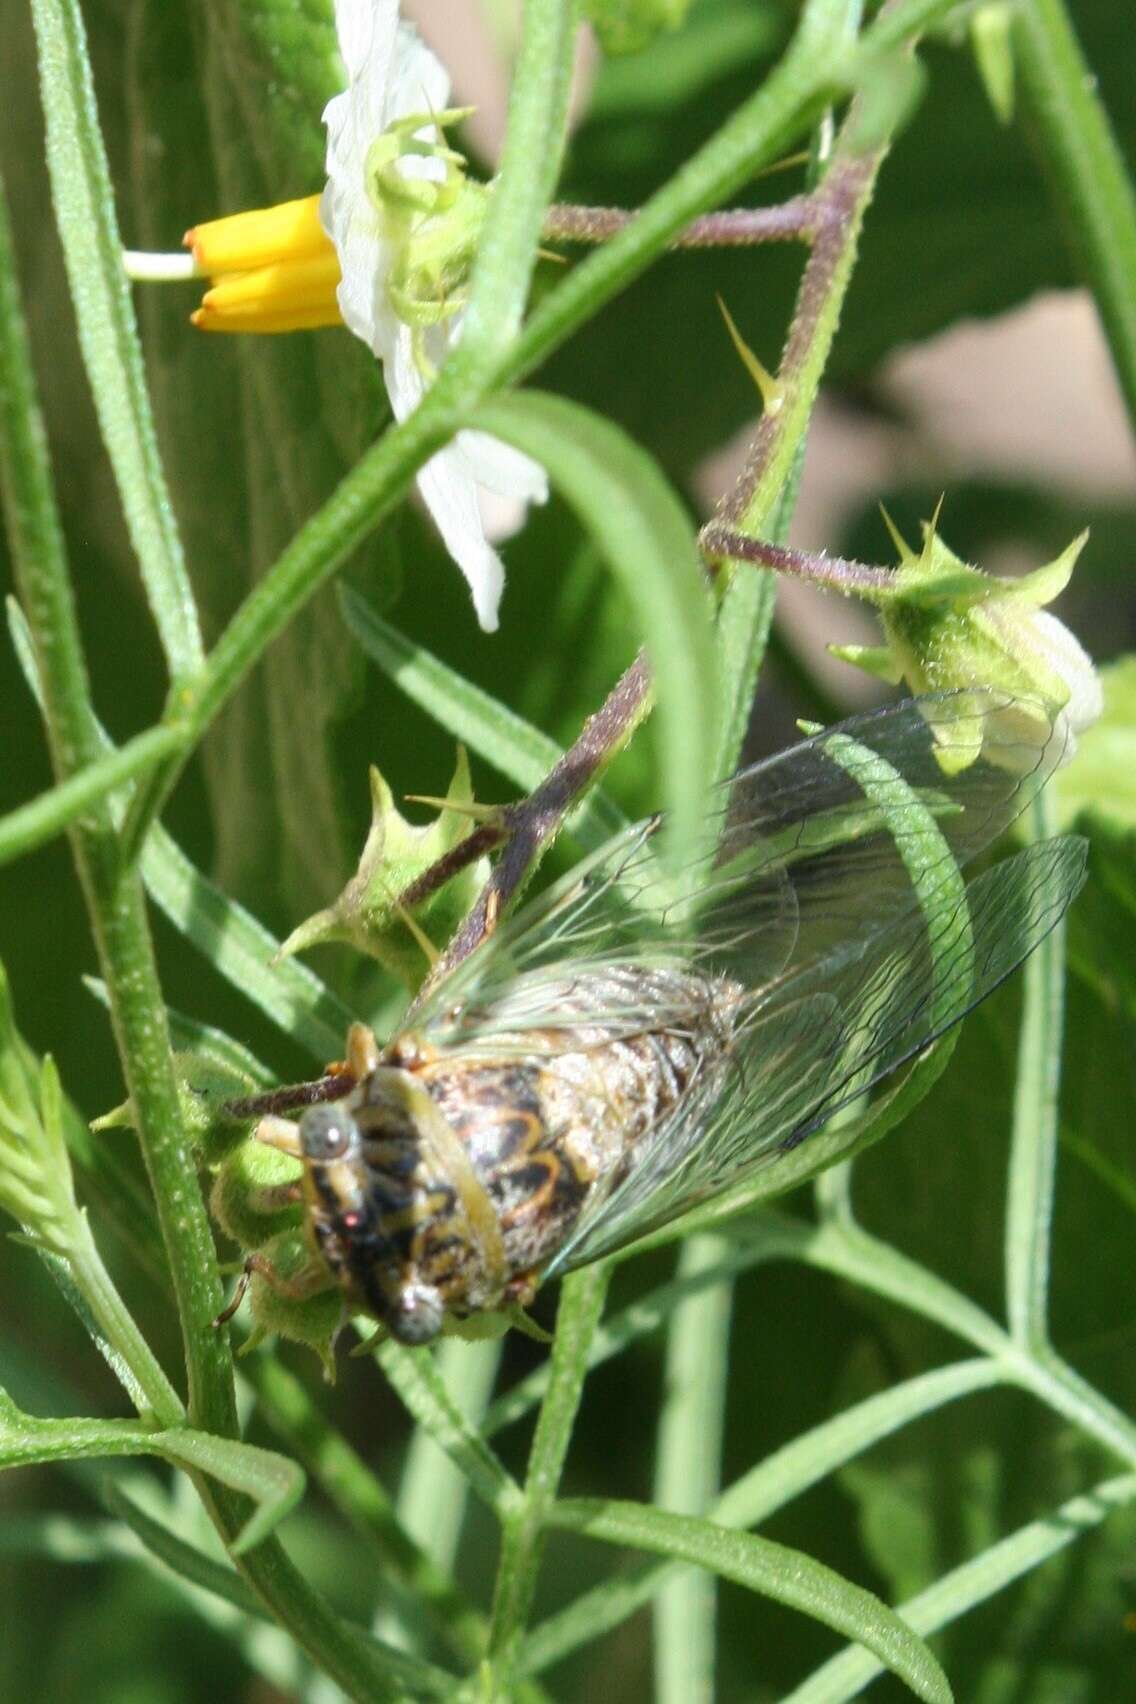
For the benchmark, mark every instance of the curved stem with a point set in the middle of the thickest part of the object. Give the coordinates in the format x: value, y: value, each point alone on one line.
x: 1086, y: 169
x: 1033, y: 1151
x: 581, y: 1304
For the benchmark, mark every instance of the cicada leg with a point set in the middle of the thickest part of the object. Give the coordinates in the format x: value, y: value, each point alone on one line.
x: 271, y: 1197
x: 310, y: 1281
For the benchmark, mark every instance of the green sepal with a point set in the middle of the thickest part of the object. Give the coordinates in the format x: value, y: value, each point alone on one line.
x: 950, y: 626
x: 204, y: 1085
x: 875, y: 660
x: 238, y: 1199
x: 367, y: 914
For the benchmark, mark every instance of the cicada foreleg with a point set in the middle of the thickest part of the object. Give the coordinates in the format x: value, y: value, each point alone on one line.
x: 311, y: 1280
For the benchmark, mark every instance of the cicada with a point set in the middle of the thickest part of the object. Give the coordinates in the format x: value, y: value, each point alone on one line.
x: 636, y: 1040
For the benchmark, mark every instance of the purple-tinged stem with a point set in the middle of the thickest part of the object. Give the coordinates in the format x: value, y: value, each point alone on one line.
x: 533, y: 823
x: 795, y: 220
x: 836, y: 573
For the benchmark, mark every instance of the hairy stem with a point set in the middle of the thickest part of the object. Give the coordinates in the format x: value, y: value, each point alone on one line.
x: 794, y: 220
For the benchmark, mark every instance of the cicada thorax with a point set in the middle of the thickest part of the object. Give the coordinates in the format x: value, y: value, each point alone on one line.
x: 475, y: 1161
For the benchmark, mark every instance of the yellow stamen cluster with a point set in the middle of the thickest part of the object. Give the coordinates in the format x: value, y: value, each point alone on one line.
x: 272, y: 270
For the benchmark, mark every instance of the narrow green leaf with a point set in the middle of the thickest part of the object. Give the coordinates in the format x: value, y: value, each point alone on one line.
x: 774, y: 1482
x: 775, y: 1571
x: 65, y: 1538
x: 356, y: 1491
x: 432, y: 1494
x: 1085, y: 169
x: 415, y: 1378
x: 182, y: 1559
x: 243, y: 950
x: 108, y: 336
x: 43, y: 818
x: 845, y: 1676
x: 513, y: 746
x: 642, y: 529
x: 273, y: 1482
x: 413, y: 1677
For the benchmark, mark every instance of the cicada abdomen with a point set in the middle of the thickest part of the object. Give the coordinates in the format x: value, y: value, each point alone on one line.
x: 635, y: 1040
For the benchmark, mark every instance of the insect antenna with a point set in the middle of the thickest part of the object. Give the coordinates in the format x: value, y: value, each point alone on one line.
x: 332, y: 1086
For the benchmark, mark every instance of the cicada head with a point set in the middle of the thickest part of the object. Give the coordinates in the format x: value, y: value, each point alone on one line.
x: 365, y: 1208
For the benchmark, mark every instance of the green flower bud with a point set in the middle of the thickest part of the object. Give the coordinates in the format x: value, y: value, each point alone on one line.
x: 368, y: 913
x: 948, y: 626
x: 248, y: 1195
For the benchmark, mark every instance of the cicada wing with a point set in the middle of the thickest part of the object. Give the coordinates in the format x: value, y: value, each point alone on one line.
x: 824, y: 1034
x: 795, y: 833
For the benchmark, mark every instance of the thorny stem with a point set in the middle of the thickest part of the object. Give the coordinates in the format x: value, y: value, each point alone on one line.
x: 841, y: 201
x: 838, y: 573
x: 794, y: 220
x: 835, y: 211
x: 534, y: 822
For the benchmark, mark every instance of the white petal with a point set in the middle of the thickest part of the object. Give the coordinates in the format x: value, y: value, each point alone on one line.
x: 419, y: 82
x: 450, y: 493
x: 1066, y: 655
x: 392, y: 74
x: 502, y: 469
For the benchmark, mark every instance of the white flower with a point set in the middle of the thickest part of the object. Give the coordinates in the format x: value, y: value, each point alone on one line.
x: 386, y: 251
x: 392, y: 76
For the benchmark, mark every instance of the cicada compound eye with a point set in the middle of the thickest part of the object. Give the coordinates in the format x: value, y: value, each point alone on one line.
x: 327, y: 1133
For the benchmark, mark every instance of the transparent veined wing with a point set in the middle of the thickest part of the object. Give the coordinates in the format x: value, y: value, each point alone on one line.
x: 824, y: 1034
x: 800, y: 867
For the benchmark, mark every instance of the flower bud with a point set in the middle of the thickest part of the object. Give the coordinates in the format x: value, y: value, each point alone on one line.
x: 950, y: 626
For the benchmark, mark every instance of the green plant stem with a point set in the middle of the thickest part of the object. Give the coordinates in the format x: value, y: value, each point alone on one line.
x: 535, y: 134
x: 814, y: 70
x: 687, y: 1471
x: 1033, y: 1150
x: 844, y: 197
x: 41, y: 819
x: 92, y: 252
x: 363, y: 1501
x: 522, y: 1540
x: 1085, y: 167
x: 119, y: 923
